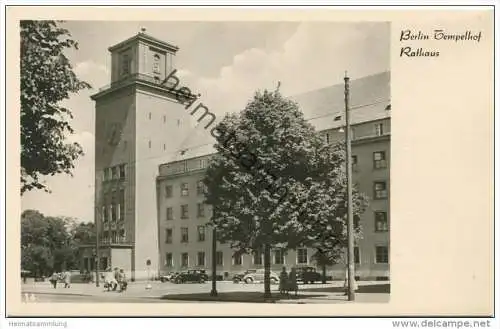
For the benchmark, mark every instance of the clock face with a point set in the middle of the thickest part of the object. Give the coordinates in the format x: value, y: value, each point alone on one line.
x: 114, y: 134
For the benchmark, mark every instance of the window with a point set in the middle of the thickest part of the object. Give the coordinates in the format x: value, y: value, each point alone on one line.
x: 379, y: 129
x: 237, y: 258
x: 201, y: 210
x: 184, y: 234
x: 149, y: 115
x: 257, y: 258
x: 302, y: 256
x: 113, y: 212
x: 121, y: 206
x: 356, y: 255
x: 114, y: 173
x: 169, y: 259
x: 164, y: 147
x: 125, y: 64
x: 219, y: 258
x: 168, y: 235
x: 184, y: 211
x: 201, y: 258
x: 149, y: 144
x: 184, y: 259
x: 156, y: 64
x: 170, y: 213
x: 379, y: 160
x: 337, y: 118
x: 354, y: 162
x: 164, y: 119
x: 356, y: 221
x: 327, y: 137
x: 168, y: 191
x: 381, y: 254
x: 279, y: 257
x: 184, y: 189
x: 381, y: 224
x: 201, y: 233
x: 380, y: 189
x: 200, y: 186
x: 104, y: 214
x: 122, y: 171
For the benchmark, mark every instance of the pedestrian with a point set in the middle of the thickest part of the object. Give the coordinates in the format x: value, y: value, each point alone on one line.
x: 67, y: 279
x: 53, y: 279
x: 283, y: 281
x: 292, y: 281
x: 122, y: 280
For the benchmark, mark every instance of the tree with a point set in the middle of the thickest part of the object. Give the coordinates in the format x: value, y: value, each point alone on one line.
x: 274, y: 182
x: 47, y: 78
x: 46, y: 243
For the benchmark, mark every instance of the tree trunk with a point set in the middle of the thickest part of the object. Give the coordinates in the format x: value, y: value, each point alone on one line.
x: 324, y: 272
x: 267, y: 271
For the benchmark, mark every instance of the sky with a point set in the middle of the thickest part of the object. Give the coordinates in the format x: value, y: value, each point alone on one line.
x: 226, y: 62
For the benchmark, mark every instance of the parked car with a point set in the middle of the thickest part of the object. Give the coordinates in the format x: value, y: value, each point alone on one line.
x: 167, y: 277
x: 237, y: 278
x: 308, y: 274
x: 191, y: 276
x: 258, y: 276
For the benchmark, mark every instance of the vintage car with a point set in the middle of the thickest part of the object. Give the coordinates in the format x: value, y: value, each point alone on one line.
x: 258, y: 276
x: 307, y: 274
x: 237, y: 278
x: 198, y: 276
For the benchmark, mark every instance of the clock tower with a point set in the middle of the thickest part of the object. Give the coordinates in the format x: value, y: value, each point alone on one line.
x: 137, y: 127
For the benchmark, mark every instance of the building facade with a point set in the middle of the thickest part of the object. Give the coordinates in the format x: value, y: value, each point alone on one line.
x: 149, y: 208
x: 185, y: 242
x: 138, y: 120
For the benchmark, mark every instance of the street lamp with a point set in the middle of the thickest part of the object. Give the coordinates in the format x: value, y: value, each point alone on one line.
x: 350, y: 221
x: 97, y: 261
x: 213, y: 292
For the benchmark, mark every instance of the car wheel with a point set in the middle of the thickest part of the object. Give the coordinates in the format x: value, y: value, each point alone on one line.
x: 274, y: 281
x: 248, y: 280
x: 312, y: 282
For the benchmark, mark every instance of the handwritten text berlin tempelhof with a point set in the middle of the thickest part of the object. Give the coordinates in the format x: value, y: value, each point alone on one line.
x: 440, y: 35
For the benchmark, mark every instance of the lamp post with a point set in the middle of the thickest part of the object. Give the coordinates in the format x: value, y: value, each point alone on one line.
x: 350, y: 221
x: 97, y: 261
x: 213, y: 292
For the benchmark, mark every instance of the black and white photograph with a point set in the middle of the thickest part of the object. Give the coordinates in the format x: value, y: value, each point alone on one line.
x: 205, y: 161
x: 172, y: 162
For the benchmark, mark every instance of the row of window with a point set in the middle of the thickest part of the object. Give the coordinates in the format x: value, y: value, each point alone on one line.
x: 114, y: 206
x: 184, y: 189
x: 379, y: 161
x: 114, y: 173
x: 378, y: 129
x: 114, y: 236
x: 169, y: 234
x: 277, y: 257
x: 184, y: 211
x: 381, y: 225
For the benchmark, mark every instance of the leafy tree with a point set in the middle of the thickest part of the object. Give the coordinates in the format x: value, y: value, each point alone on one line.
x: 46, y: 243
x: 47, y: 78
x: 274, y: 182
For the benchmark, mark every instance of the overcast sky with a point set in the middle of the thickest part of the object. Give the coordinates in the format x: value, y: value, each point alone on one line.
x: 225, y: 62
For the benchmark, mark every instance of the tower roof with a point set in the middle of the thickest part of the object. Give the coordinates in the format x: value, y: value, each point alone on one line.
x: 142, y: 36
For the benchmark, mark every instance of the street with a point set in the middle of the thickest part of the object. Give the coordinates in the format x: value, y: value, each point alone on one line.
x: 42, y: 292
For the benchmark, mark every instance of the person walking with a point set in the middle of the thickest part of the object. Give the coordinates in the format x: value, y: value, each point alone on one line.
x: 292, y: 281
x: 283, y: 281
x: 67, y: 279
x: 122, y: 280
x: 53, y: 279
